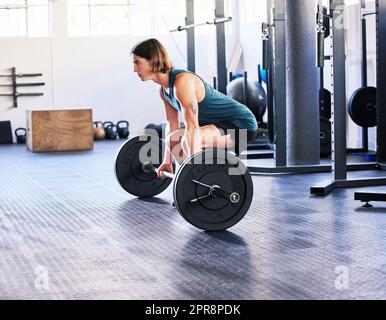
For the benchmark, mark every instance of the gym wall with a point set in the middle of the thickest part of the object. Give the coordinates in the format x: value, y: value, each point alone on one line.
x: 93, y: 72
x: 97, y: 72
x: 253, y: 14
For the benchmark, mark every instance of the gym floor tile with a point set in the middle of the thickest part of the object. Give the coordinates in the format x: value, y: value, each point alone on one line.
x: 69, y: 231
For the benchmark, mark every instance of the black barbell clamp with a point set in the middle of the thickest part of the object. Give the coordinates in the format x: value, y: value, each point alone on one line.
x: 217, y: 191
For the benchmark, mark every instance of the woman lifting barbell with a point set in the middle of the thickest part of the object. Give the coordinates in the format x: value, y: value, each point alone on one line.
x: 211, y: 118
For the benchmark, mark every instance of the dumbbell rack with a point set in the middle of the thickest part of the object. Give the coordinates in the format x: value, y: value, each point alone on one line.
x: 15, y: 85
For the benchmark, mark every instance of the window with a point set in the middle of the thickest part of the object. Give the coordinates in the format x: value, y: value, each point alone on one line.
x: 119, y: 17
x: 24, y: 18
x: 98, y: 17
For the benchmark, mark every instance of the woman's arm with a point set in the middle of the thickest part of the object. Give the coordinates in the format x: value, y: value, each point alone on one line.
x: 186, y: 94
x: 172, y: 124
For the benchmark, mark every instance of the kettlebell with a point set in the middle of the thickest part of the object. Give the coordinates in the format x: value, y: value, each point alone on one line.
x: 111, y: 132
x: 105, y: 125
x: 21, y: 135
x: 123, y: 129
x: 99, y: 131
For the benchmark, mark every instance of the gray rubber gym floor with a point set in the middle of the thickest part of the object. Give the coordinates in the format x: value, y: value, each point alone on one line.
x: 68, y: 231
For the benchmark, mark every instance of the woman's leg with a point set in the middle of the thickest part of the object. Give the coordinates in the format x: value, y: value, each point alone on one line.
x: 211, y: 137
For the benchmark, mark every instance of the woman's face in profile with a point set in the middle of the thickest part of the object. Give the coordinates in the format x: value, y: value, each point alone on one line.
x: 142, y: 68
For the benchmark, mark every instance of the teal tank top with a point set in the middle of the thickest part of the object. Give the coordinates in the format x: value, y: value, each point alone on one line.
x: 216, y: 107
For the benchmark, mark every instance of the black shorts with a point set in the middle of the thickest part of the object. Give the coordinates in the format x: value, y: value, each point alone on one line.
x: 241, y: 137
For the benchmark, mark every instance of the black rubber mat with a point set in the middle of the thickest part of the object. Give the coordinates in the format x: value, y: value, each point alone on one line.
x: 68, y: 231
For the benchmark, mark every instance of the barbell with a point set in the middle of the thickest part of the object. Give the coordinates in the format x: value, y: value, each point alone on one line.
x: 212, y: 190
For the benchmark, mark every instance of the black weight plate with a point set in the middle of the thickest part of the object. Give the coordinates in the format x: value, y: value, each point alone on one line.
x: 212, y: 213
x: 128, y: 166
x: 362, y: 107
x: 325, y: 137
x: 325, y: 103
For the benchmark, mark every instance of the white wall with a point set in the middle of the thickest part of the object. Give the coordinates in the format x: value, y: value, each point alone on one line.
x: 252, y: 14
x: 94, y: 72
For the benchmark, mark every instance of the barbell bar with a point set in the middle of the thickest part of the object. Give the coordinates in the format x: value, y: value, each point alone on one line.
x: 21, y: 94
x: 21, y: 75
x: 23, y: 84
x: 191, y: 26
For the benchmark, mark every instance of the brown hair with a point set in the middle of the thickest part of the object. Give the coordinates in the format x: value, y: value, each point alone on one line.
x: 152, y: 50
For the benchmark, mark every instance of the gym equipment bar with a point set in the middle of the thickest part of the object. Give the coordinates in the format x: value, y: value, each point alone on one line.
x: 24, y: 84
x: 278, y: 79
x: 191, y: 52
x: 222, y: 72
x: 216, y: 21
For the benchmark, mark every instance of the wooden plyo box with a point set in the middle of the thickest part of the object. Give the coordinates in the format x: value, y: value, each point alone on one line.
x: 59, y: 130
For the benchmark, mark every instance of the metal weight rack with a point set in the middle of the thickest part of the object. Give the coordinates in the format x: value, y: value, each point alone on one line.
x: 14, y: 85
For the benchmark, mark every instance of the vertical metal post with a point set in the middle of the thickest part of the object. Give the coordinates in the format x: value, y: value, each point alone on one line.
x: 321, y: 78
x: 365, y: 131
x: 26, y: 18
x: 364, y: 45
x: 221, y: 53
x: 280, y: 78
x: 245, y: 90
x: 14, y: 87
x: 381, y: 80
x: 338, y: 79
x: 190, y: 36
